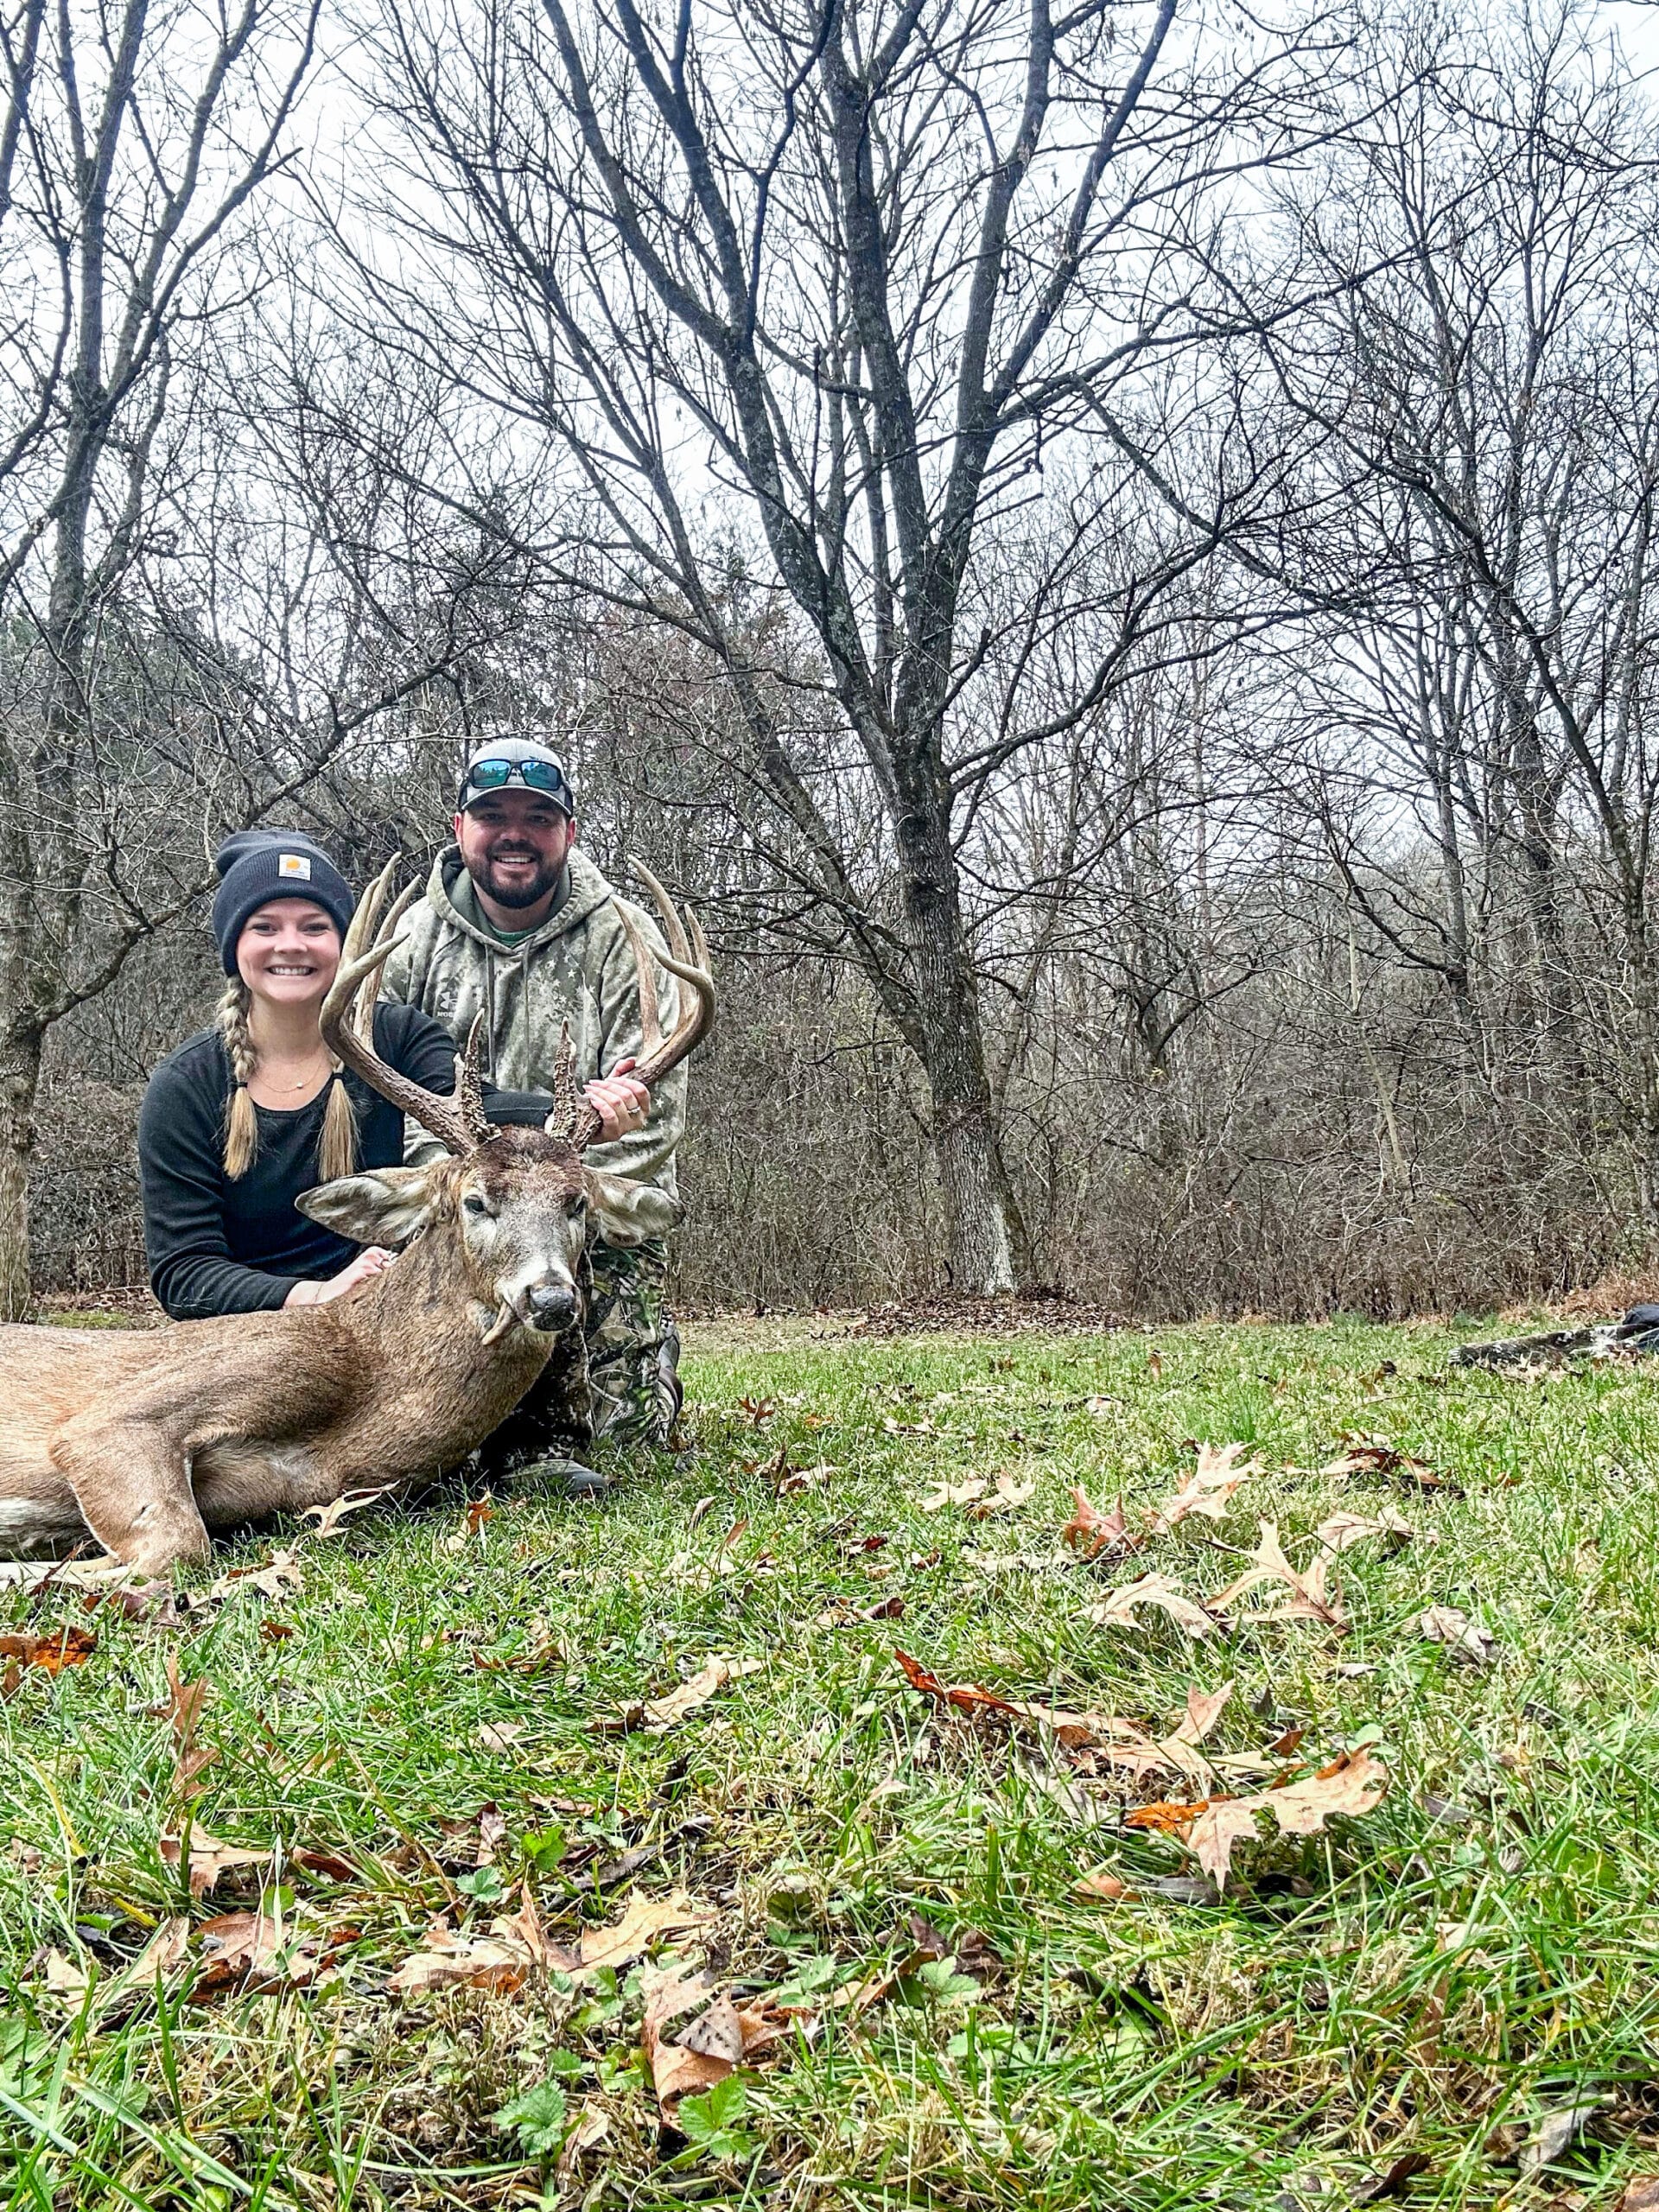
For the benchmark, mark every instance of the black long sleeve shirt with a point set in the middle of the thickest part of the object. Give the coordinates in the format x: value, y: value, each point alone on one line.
x: 215, y: 1246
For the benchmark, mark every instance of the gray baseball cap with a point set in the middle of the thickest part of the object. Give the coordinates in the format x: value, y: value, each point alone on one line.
x: 499, y: 764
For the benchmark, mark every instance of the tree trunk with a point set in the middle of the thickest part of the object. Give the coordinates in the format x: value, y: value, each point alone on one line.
x: 20, y: 1079
x: 985, y: 1235
x: 979, y: 1208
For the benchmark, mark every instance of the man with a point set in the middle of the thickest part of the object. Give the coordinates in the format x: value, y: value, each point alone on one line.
x: 518, y: 924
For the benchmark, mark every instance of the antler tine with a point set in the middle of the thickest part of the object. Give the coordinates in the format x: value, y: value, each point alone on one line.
x: 457, y: 1122
x: 469, y: 1085
x: 566, y: 1118
x: 381, y: 943
x: 687, y: 959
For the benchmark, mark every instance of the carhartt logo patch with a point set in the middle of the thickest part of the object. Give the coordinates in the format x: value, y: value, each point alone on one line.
x: 294, y: 864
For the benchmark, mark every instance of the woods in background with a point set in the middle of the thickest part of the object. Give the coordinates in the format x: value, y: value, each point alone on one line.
x: 1111, y: 562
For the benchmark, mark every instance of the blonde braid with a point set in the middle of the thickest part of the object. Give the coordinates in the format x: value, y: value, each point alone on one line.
x: 241, y: 1123
x: 337, y: 1147
x: 337, y: 1152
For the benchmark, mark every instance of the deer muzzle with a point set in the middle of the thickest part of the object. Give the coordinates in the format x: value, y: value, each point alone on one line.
x: 553, y: 1307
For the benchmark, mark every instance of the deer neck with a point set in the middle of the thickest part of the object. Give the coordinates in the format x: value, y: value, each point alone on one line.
x: 424, y: 1308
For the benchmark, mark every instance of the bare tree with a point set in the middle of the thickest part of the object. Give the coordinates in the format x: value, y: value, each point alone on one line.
x: 127, y: 152
x: 815, y: 297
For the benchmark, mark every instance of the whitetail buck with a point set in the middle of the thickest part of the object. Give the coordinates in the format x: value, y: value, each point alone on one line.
x: 148, y: 1439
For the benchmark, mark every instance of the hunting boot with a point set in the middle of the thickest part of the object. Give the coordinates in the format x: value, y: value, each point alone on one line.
x: 548, y: 1435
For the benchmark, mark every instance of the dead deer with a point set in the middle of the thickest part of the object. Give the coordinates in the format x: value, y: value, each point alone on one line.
x: 147, y: 1441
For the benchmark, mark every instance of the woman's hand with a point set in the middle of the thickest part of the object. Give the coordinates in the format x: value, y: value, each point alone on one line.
x: 370, y: 1263
x: 620, y: 1099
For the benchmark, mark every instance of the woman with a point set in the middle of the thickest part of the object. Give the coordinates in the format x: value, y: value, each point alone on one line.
x: 247, y: 1114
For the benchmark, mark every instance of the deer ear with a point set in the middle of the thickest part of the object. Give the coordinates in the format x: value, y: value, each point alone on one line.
x: 386, y: 1205
x: 628, y: 1213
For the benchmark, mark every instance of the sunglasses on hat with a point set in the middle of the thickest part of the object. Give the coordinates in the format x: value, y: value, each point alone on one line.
x: 543, y: 776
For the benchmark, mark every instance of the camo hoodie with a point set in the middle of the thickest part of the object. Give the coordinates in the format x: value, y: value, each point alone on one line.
x: 577, y: 967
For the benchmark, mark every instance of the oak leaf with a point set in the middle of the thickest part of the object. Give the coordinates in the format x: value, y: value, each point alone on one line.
x: 1208, y: 1490
x: 1092, y: 1532
x: 450, y: 1961
x: 328, y: 1517
x: 645, y: 1919
x: 255, y: 1952
x: 209, y: 1859
x: 962, y: 1493
x: 1223, y: 1822
x: 51, y: 1653
x: 1119, y: 1607
x: 1465, y: 1639
x: 1011, y: 1492
x: 662, y: 1714
x: 1342, y: 1531
x: 1353, y: 1784
x: 1309, y: 1598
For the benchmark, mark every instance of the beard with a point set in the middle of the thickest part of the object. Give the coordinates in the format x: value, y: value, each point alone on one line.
x: 517, y: 891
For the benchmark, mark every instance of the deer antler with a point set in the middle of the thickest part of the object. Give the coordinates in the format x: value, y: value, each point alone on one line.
x: 687, y: 959
x: 348, y: 1026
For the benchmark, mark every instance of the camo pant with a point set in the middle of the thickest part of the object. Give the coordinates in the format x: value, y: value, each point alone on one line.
x: 605, y: 1380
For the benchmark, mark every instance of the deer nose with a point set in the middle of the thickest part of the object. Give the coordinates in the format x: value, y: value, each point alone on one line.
x: 552, y: 1305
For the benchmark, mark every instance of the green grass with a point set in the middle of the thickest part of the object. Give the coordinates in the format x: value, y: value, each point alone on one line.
x: 1476, y: 1953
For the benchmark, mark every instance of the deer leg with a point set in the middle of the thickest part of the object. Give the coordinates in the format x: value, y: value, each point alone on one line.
x: 132, y: 1484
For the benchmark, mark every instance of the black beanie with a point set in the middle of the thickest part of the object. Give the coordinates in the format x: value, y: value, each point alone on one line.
x: 257, y: 866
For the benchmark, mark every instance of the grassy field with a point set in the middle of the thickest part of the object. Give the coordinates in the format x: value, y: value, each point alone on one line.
x: 466, y: 1718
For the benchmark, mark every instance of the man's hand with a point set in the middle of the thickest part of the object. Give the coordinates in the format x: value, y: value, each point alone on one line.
x: 621, y: 1101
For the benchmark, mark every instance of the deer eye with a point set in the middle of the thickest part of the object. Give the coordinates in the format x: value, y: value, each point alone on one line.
x: 577, y: 1206
x: 477, y: 1207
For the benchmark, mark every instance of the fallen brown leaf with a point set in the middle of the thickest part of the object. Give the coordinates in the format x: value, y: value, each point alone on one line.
x: 1119, y: 1607
x: 1207, y: 1491
x: 590, y: 2129
x: 1094, y: 1534
x: 450, y: 1961
x: 328, y: 1517
x: 52, y: 1652
x: 64, y: 1978
x: 325, y: 1862
x: 255, y: 1952
x: 1465, y: 1639
x: 275, y: 1631
x: 499, y: 1735
x: 1372, y: 1455
x: 1009, y: 1494
x: 1392, y: 2180
x: 1555, y: 2131
x: 962, y: 1493
x: 1204, y: 1709
x: 182, y: 1711
x: 1309, y: 1598
x: 662, y: 1714
x: 645, y: 1919
x: 1641, y: 2194
x: 1101, y: 1886
x: 1353, y: 1784
x: 209, y: 1858
x: 1342, y: 1531
x: 280, y: 1574
x: 503, y: 1960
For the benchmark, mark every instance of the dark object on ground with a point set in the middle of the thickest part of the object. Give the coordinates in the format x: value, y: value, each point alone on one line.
x: 957, y: 1313
x: 1636, y: 1334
